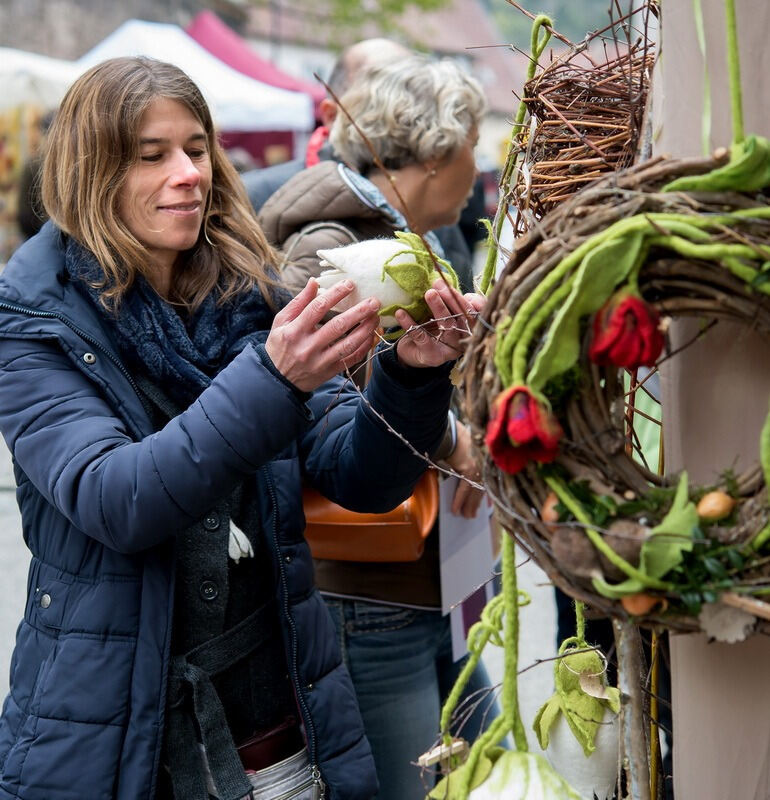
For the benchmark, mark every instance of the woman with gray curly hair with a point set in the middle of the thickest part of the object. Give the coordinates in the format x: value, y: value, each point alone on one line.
x: 421, y: 119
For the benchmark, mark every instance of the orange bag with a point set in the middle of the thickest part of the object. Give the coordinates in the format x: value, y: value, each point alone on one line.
x: 335, y: 533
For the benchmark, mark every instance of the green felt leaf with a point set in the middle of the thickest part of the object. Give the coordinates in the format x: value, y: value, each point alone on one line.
x: 602, y: 269
x: 748, y: 170
x: 764, y: 450
x: 545, y: 718
x: 613, y: 699
x: 584, y: 713
x: 663, y: 548
x: 415, y: 277
x: 449, y: 787
x: 418, y: 310
x: 412, y: 277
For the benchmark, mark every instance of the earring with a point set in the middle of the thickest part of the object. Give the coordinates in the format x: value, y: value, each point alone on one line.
x: 206, y: 220
x: 432, y: 173
x: 206, y: 233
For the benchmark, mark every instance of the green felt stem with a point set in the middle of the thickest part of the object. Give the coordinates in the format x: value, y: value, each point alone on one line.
x: 495, y: 733
x: 761, y: 538
x: 521, y: 349
x: 510, y: 695
x: 734, y: 71
x: 462, y: 681
x: 706, y: 113
x: 541, y: 25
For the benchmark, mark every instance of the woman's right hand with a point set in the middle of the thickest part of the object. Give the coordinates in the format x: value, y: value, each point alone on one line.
x: 305, y: 351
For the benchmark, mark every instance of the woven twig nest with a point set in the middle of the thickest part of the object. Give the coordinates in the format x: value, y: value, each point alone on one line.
x: 585, y: 120
x: 596, y: 451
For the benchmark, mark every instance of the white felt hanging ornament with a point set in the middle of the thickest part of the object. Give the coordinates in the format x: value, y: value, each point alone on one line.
x: 578, y: 727
x: 523, y: 776
x: 592, y: 775
x: 397, y: 272
x: 491, y: 772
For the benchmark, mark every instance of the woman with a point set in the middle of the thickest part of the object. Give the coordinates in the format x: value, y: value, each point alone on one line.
x: 160, y: 412
x: 420, y: 118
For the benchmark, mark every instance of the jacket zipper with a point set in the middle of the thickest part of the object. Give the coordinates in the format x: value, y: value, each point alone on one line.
x: 30, y: 312
x: 293, y: 666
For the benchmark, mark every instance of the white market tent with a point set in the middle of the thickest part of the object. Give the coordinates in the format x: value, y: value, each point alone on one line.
x: 33, y: 78
x: 237, y: 102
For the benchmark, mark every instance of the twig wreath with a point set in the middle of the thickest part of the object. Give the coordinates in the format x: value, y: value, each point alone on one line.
x: 585, y: 298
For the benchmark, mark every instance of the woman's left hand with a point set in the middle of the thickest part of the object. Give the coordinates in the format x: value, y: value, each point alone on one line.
x: 467, y: 498
x: 442, y: 338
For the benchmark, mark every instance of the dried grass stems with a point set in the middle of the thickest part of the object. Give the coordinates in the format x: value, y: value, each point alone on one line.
x: 599, y: 442
x: 585, y: 117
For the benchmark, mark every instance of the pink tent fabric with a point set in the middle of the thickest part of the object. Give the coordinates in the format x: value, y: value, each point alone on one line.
x: 224, y: 43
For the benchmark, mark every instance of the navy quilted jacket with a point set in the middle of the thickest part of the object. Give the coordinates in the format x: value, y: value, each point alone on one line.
x: 101, y: 497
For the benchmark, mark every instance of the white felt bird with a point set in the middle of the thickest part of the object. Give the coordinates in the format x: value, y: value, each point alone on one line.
x: 362, y: 263
x: 396, y: 271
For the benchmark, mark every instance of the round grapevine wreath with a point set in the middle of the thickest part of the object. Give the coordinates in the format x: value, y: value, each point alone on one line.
x: 580, y: 309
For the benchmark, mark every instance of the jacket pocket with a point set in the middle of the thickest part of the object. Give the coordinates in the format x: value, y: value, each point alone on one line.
x: 374, y: 617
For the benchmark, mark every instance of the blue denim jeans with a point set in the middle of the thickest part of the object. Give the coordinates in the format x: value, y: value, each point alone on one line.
x: 400, y: 660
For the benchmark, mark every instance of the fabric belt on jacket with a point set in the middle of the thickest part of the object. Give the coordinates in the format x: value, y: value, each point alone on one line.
x: 190, y: 678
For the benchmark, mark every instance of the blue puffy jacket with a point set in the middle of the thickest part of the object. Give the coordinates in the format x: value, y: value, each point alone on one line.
x: 102, y: 495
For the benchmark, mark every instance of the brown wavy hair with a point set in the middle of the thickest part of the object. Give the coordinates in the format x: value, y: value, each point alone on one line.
x: 91, y: 145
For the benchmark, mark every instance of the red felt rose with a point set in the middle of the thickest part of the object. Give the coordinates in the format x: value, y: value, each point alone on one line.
x: 521, y: 429
x: 626, y: 333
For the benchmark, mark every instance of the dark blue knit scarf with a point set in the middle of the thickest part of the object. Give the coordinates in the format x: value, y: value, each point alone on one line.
x: 180, y: 355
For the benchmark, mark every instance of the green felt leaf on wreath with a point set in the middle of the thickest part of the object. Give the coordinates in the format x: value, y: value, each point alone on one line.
x: 662, y: 550
x: 605, y: 267
x: 748, y: 170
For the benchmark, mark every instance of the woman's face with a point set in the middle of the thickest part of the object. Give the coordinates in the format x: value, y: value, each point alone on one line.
x: 163, y: 199
x: 452, y: 185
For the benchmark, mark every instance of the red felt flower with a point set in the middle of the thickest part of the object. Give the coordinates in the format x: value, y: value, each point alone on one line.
x: 521, y: 429
x: 626, y: 333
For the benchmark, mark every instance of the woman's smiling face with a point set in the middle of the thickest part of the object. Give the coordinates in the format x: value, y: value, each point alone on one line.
x: 163, y: 199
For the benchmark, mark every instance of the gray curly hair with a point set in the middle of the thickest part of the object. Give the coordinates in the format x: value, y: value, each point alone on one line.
x: 412, y: 111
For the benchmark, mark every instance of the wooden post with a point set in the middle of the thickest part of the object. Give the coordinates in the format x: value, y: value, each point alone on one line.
x: 634, y: 728
x: 715, y: 398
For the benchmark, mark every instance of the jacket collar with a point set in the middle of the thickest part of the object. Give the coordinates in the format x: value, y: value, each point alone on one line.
x: 35, y: 279
x: 39, y: 300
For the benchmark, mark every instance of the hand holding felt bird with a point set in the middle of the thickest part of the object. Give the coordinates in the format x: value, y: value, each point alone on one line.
x: 397, y: 272
x: 404, y: 276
